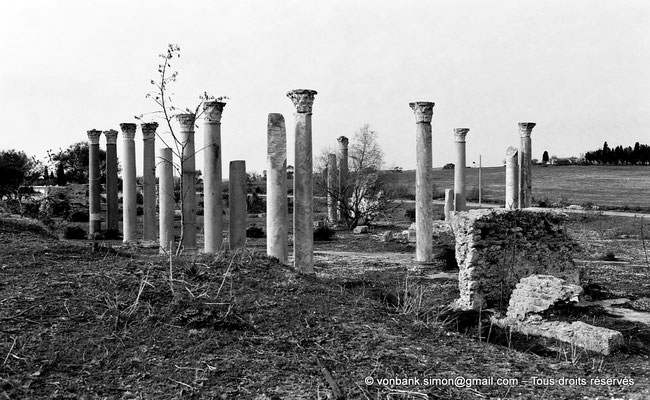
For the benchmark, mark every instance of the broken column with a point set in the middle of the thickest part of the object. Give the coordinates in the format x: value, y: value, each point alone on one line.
x: 303, y: 206
x: 112, y: 219
x: 237, y: 204
x: 94, y: 188
x: 188, y: 180
x: 332, y: 188
x: 129, y: 202
x: 512, y: 179
x: 165, y: 172
x: 150, y: 232
x: 525, y: 156
x: 277, y: 218
x: 344, y: 177
x: 423, y: 185
x: 459, y: 170
x: 212, y: 186
x: 449, y: 203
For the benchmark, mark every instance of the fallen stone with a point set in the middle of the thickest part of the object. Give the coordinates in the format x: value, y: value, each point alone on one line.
x: 386, y: 236
x: 412, y: 233
x: 360, y: 229
x: 538, y: 293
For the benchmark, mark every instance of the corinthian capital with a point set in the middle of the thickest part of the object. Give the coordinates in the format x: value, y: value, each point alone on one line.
x: 128, y: 130
x: 213, y: 111
x: 93, y: 136
x: 526, y: 128
x: 303, y: 99
x: 186, y: 121
x: 423, y: 110
x: 111, y: 136
x: 149, y: 130
x: 343, y: 142
x: 460, y: 133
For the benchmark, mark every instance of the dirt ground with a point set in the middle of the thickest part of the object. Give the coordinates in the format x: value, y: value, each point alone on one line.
x: 99, y: 320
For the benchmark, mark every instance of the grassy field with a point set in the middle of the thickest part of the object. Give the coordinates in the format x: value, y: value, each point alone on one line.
x: 607, y: 186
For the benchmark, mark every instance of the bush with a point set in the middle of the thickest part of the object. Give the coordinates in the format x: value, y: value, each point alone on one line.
x: 79, y: 216
x: 410, y: 214
x: 323, y: 234
x: 254, y: 232
x: 255, y: 204
x: 74, y: 232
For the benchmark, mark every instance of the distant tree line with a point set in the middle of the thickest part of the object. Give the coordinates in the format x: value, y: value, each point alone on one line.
x: 637, y: 155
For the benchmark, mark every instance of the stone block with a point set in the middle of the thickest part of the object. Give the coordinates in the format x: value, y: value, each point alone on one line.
x: 412, y: 233
x: 360, y: 229
x: 386, y: 236
x: 538, y: 293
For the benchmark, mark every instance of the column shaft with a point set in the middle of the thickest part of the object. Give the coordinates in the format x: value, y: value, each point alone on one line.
x: 212, y: 177
x: 344, y: 177
x: 94, y: 188
x: 165, y: 172
x: 449, y: 203
x: 150, y: 232
x: 332, y: 188
x: 277, y: 218
x: 512, y: 179
x: 237, y: 204
x: 129, y: 202
x: 188, y: 181
x: 525, y: 156
x: 460, y: 203
x: 112, y: 204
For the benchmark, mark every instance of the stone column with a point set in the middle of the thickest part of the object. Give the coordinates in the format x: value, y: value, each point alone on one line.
x: 150, y: 232
x: 344, y: 176
x: 277, y: 217
x: 212, y: 177
x: 525, y: 155
x: 460, y: 170
x: 188, y: 180
x: 94, y: 188
x: 129, y: 202
x: 512, y: 179
x: 332, y: 188
x: 423, y: 184
x: 112, y: 210
x: 303, y: 191
x: 449, y: 203
x: 165, y: 172
x: 237, y: 204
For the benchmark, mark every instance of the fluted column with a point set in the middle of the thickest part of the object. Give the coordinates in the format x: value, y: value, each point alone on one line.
x: 237, y: 204
x: 165, y: 173
x: 212, y: 177
x: 94, y: 210
x: 303, y: 192
x: 344, y: 177
x: 332, y: 187
x: 129, y: 202
x: 188, y: 180
x: 112, y: 210
x: 512, y: 179
x: 459, y: 170
x: 423, y: 184
x: 150, y: 232
x: 525, y: 155
x: 277, y: 218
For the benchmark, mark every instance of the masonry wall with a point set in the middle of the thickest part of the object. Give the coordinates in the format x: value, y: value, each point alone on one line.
x: 496, y: 248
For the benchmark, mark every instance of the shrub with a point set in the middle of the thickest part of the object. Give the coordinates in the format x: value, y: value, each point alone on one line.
x: 323, y: 233
x: 79, y: 216
x: 254, y: 232
x: 410, y: 214
x: 74, y: 232
x: 256, y: 204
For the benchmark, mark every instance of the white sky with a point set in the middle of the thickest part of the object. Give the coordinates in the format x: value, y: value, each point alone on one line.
x: 580, y: 69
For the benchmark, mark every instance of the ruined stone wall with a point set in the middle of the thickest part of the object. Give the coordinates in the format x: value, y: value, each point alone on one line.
x: 496, y: 248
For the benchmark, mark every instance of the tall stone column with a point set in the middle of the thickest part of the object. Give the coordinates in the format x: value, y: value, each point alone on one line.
x: 212, y: 177
x: 94, y: 189
x: 525, y: 156
x: 344, y: 176
x: 165, y: 172
x: 129, y: 202
x: 423, y: 185
x: 512, y: 179
x: 459, y: 170
x: 150, y: 232
x: 188, y: 180
x: 303, y: 191
x: 112, y: 210
x: 277, y: 218
x: 237, y: 204
x: 332, y: 188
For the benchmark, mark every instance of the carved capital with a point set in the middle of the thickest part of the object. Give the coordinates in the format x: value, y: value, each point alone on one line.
x: 93, y: 136
x: 303, y: 99
x: 526, y: 128
x: 128, y: 130
x: 213, y: 111
x: 149, y: 130
x: 423, y: 110
x: 111, y: 136
x: 186, y: 121
x: 460, y: 133
x: 343, y: 142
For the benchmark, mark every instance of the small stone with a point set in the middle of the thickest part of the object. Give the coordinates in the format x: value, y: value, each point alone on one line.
x: 386, y: 236
x: 360, y: 229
